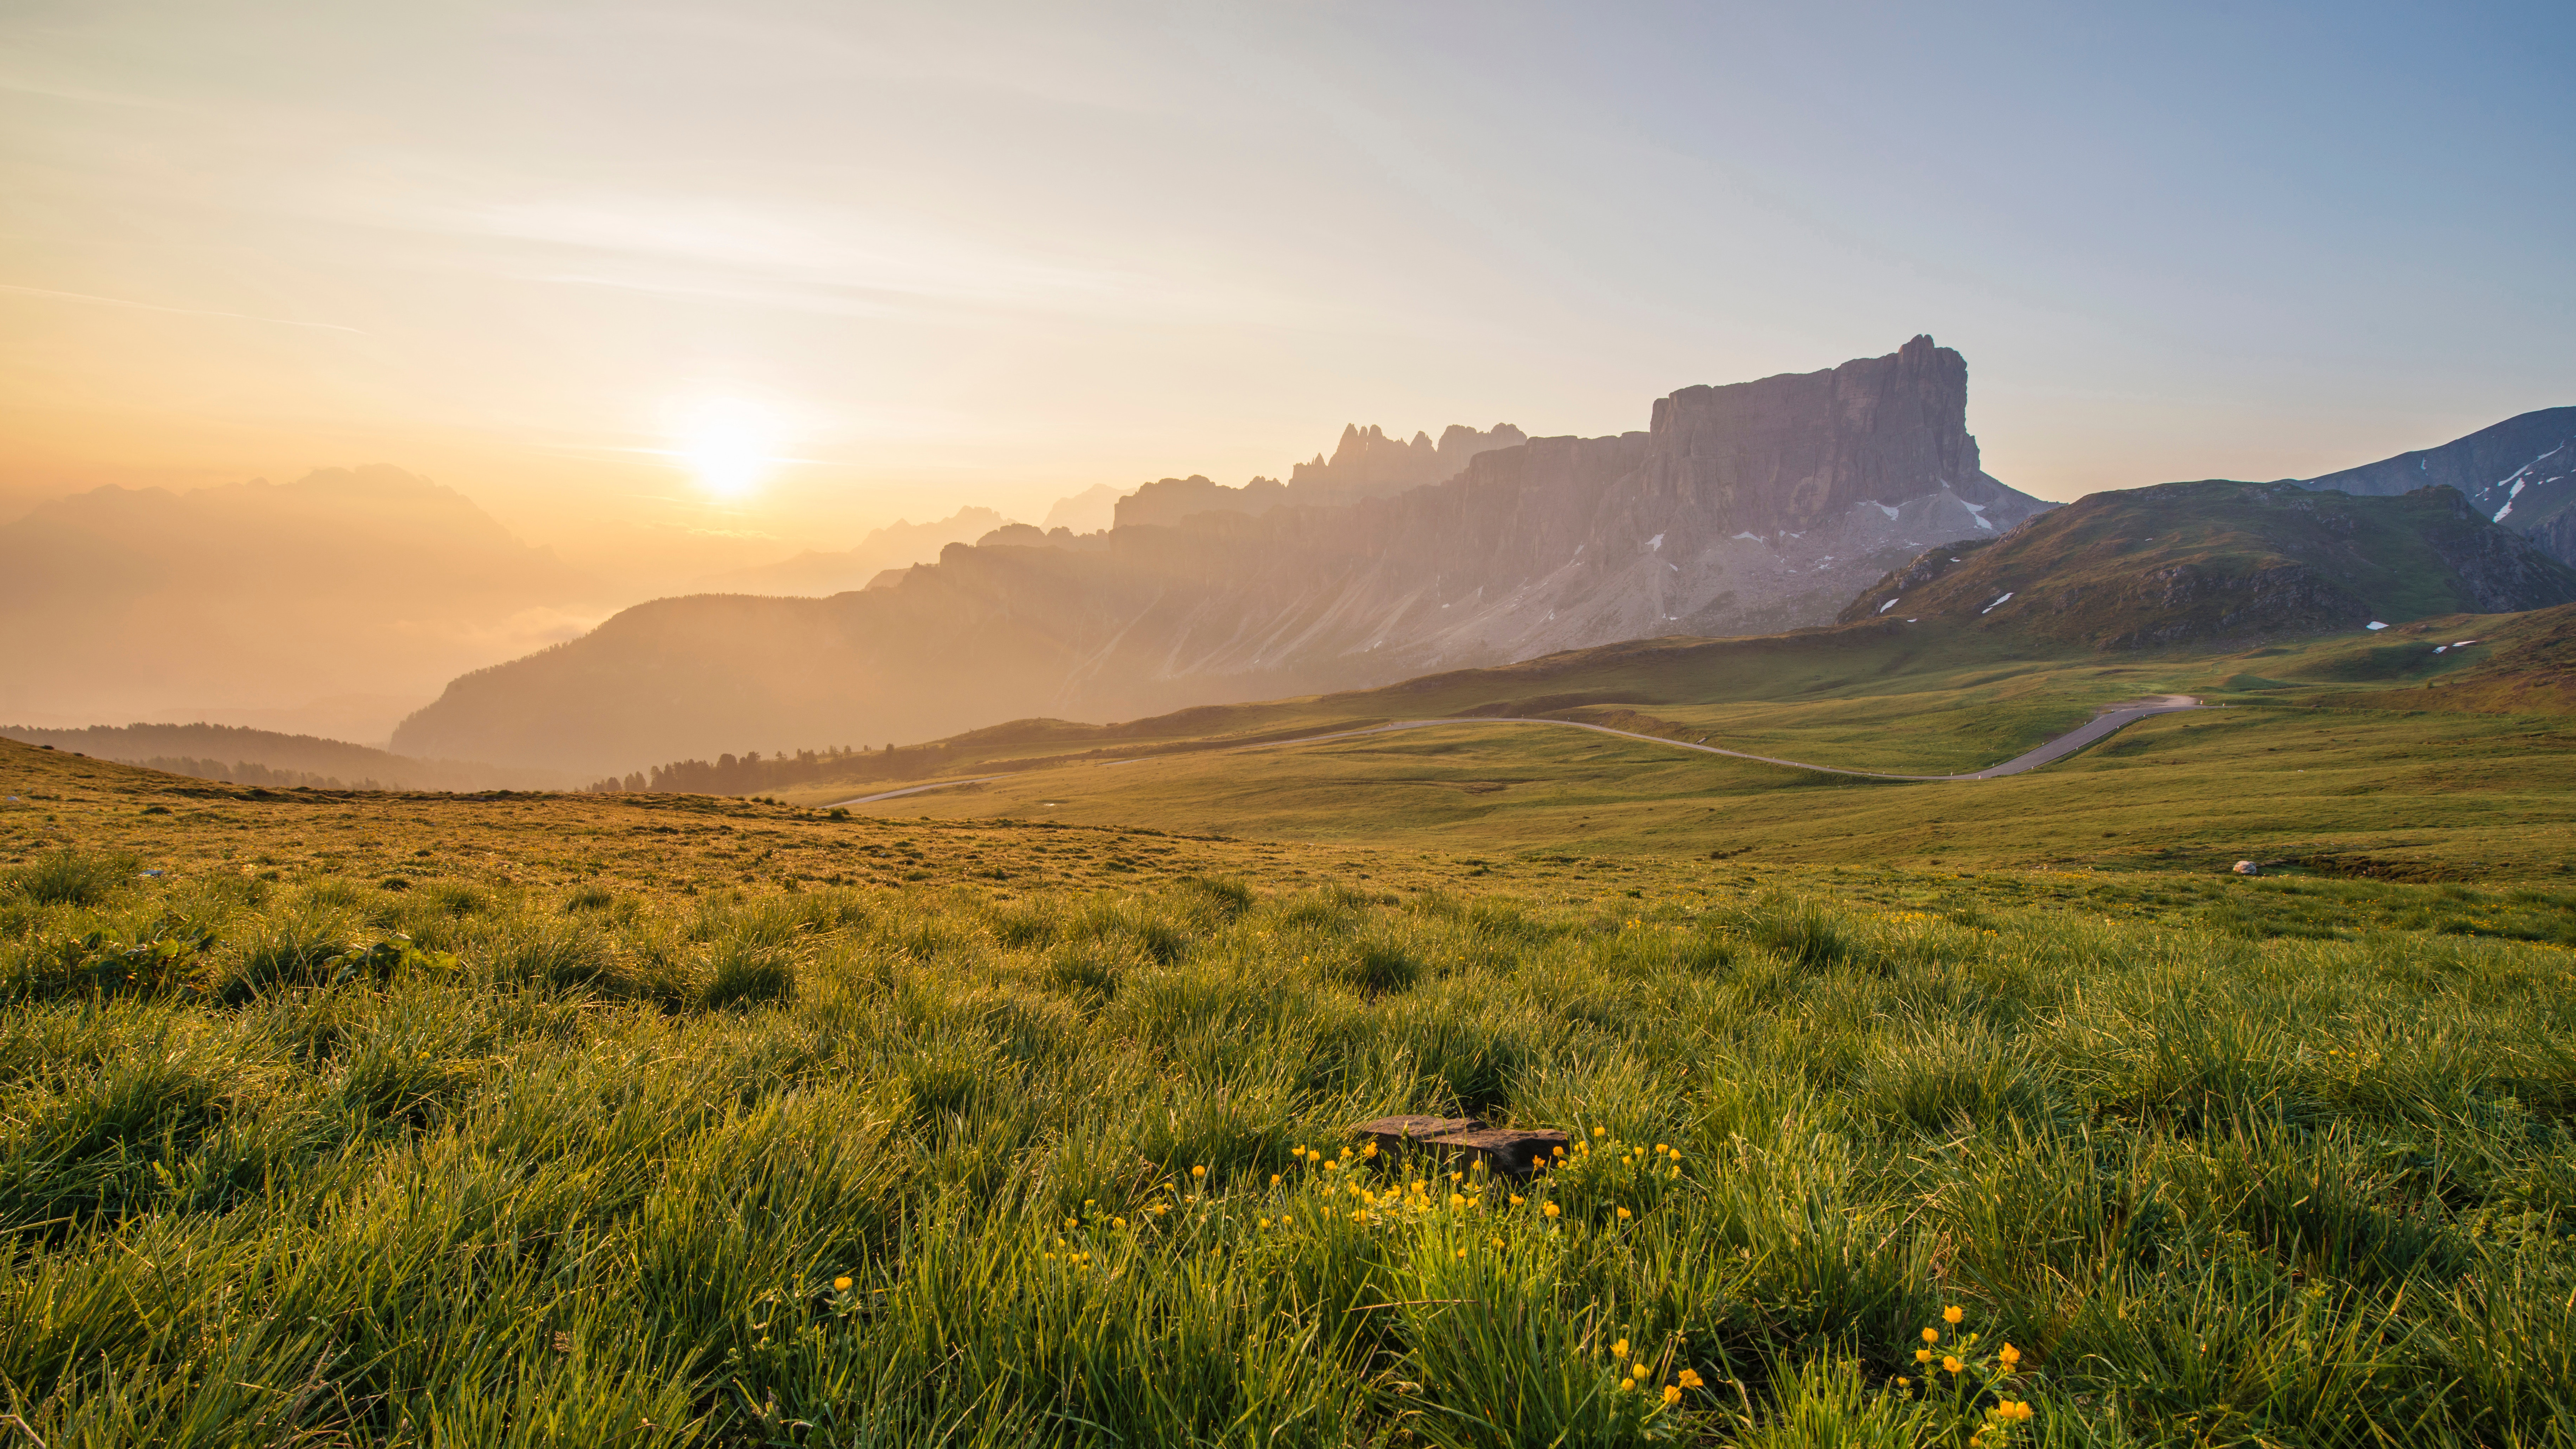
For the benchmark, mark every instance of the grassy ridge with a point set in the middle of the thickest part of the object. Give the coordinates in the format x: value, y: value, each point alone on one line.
x: 1933, y: 697
x: 572, y: 1137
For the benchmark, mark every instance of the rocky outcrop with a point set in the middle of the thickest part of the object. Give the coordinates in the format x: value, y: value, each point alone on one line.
x: 1742, y: 509
x: 1167, y: 501
x: 1366, y: 463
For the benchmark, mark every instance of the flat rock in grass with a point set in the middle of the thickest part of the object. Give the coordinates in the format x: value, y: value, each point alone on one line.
x: 1512, y: 1152
x: 1404, y: 1131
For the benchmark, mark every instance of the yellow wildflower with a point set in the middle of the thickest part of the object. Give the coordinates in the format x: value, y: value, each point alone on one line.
x: 1690, y: 1378
x: 1517, y: 1199
x: 1922, y: 1355
x: 1623, y: 1215
x: 1638, y: 1371
x: 1370, y: 1150
x: 1950, y: 1364
x: 1672, y: 1394
x: 1201, y: 1172
x: 1931, y: 1335
x: 840, y: 1285
x: 1600, y: 1131
x: 1274, y: 1179
x: 1626, y: 1384
x: 1550, y: 1209
x: 1117, y: 1222
x: 1953, y: 1313
x: 1457, y: 1200
x: 1619, y: 1349
x: 2008, y: 1355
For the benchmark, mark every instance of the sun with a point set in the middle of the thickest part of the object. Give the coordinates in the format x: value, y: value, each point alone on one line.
x: 730, y: 444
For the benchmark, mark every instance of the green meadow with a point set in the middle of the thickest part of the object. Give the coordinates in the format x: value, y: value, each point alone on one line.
x: 2394, y: 756
x: 387, y: 1119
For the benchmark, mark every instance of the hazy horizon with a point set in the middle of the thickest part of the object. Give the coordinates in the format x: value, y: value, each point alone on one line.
x: 680, y: 292
x: 593, y: 265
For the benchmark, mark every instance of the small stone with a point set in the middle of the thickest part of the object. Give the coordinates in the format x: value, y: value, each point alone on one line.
x: 2247, y: 867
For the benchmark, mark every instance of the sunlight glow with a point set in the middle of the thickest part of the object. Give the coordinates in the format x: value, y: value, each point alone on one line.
x: 730, y: 444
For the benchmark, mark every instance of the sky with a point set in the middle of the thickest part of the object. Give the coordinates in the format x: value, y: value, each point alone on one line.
x: 767, y: 275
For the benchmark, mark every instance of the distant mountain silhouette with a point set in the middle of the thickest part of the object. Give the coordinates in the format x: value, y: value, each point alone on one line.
x: 121, y: 603
x: 1093, y: 509
x: 898, y: 545
x: 1742, y: 509
x: 1366, y: 464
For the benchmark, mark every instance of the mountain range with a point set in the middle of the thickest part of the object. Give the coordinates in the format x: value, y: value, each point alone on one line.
x: 898, y: 545
x: 341, y: 587
x: 1738, y: 509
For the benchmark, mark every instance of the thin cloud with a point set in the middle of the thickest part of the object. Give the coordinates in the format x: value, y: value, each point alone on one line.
x: 175, y: 311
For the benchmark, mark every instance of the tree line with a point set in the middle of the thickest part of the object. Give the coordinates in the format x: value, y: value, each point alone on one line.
x: 248, y: 772
x: 752, y: 773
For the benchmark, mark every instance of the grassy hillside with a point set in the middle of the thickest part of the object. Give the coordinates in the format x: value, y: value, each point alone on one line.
x: 2225, y: 564
x: 265, y: 757
x: 2348, y: 752
x: 2520, y: 665
x: 671, y: 1120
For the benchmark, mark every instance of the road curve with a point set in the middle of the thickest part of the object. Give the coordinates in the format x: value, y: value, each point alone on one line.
x: 2109, y: 721
x: 2104, y: 723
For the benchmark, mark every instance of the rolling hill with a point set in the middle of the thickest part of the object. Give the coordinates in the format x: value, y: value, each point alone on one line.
x: 2222, y: 563
x: 2520, y: 473
x: 266, y: 757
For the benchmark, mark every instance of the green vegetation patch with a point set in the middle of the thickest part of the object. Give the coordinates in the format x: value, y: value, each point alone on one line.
x: 621, y: 1125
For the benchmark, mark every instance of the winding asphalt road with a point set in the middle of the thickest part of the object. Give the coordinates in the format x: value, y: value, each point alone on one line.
x: 2111, y: 719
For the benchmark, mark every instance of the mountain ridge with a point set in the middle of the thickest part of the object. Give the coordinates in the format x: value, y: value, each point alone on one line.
x: 2522, y: 469
x: 1742, y: 508
x: 2218, y: 561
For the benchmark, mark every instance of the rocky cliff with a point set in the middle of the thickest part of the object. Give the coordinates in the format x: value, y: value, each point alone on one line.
x: 1740, y: 509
